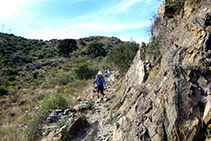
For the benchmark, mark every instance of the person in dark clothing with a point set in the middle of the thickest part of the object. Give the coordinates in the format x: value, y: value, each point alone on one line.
x: 100, y: 82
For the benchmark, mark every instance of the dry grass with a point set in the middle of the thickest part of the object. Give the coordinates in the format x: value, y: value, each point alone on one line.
x: 11, y: 133
x: 152, y: 75
x: 18, y: 108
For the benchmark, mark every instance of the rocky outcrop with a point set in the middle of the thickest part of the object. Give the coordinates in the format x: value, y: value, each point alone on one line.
x: 89, y: 120
x: 170, y: 107
x: 16, y: 59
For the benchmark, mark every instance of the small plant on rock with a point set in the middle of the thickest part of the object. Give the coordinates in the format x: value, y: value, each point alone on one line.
x: 3, y: 91
x: 208, y: 132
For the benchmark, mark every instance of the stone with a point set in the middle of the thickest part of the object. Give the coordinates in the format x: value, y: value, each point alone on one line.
x: 90, y: 136
x: 76, y: 125
x: 16, y: 59
x: 81, y: 107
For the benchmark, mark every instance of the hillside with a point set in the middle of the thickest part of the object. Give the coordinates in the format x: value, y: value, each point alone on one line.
x: 33, y: 70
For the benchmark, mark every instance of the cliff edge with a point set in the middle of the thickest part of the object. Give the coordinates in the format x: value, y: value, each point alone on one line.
x: 167, y: 98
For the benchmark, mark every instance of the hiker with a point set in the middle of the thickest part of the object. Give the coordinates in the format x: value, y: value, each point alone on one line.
x: 106, y: 73
x: 100, y: 82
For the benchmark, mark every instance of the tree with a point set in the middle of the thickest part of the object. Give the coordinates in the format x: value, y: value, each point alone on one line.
x: 122, y: 55
x: 67, y: 46
x: 84, y: 72
x: 96, y: 49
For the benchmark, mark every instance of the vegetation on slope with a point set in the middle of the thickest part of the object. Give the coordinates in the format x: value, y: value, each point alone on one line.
x: 43, y: 74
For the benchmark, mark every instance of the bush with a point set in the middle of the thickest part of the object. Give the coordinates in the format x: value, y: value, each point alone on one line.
x: 122, y: 55
x: 30, y: 84
x: 150, y: 47
x: 84, y: 72
x: 174, y: 6
x: 4, y: 60
x: 96, y: 49
x: 82, y: 43
x: 66, y: 68
x: 28, y: 59
x: 66, y: 46
x: 10, y: 72
x: 10, y: 64
x: 33, y: 130
x: 84, y: 52
x: 27, y: 66
x: 11, y: 78
x: 35, y: 75
x: 62, y: 79
x: 49, y: 54
x: 40, y: 56
x: 6, y: 83
x: 3, y: 91
x: 1, y: 50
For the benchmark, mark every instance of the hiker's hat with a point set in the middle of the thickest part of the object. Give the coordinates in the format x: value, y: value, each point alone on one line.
x: 99, y: 73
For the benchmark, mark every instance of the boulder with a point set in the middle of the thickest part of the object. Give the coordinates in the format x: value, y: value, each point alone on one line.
x: 90, y: 136
x: 76, y: 125
x: 16, y: 59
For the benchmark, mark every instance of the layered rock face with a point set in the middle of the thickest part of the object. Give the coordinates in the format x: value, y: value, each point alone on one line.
x: 172, y: 106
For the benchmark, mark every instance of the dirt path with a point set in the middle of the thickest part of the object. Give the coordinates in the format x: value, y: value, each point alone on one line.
x: 98, y: 127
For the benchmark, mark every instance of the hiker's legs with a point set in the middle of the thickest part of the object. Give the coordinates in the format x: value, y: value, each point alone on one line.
x: 101, y: 91
x: 98, y: 90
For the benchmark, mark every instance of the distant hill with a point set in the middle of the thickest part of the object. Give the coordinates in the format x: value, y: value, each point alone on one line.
x: 31, y: 49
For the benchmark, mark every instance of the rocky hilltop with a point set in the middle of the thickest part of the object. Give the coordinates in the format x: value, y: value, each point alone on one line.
x: 167, y: 96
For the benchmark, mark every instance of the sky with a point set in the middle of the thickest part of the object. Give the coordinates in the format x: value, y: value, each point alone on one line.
x: 60, y: 19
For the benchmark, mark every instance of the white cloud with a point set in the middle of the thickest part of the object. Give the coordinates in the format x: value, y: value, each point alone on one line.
x: 87, y: 29
x: 107, y: 26
x: 148, y: 1
x: 9, y: 7
x: 126, y: 4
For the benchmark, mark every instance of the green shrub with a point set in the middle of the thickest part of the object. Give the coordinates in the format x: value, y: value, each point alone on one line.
x: 30, y: 84
x: 83, y: 52
x: 96, y: 49
x: 61, y: 122
x: 3, y: 91
x: 62, y: 79
x: 122, y: 55
x: 40, y: 56
x: 11, y: 78
x: 28, y: 59
x: 208, y: 132
x: 66, y: 68
x: 10, y: 64
x: 66, y: 46
x: 20, y: 52
x: 1, y: 51
x: 10, y: 72
x: 4, y: 60
x: 174, y: 6
x: 6, y: 83
x: 27, y: 66
x: 56, y: 101
x: 49, y: 54
x: 150, y: 47
x: 35, y: 75
x: 34, y: 55
x: 82, y: 43
x: 84, y: 72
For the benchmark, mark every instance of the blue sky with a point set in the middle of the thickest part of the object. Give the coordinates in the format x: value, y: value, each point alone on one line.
x: 60, y: 19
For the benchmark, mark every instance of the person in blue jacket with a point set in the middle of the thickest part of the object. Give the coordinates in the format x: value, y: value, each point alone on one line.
x: 100, y: 82
x: 106, y: 73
